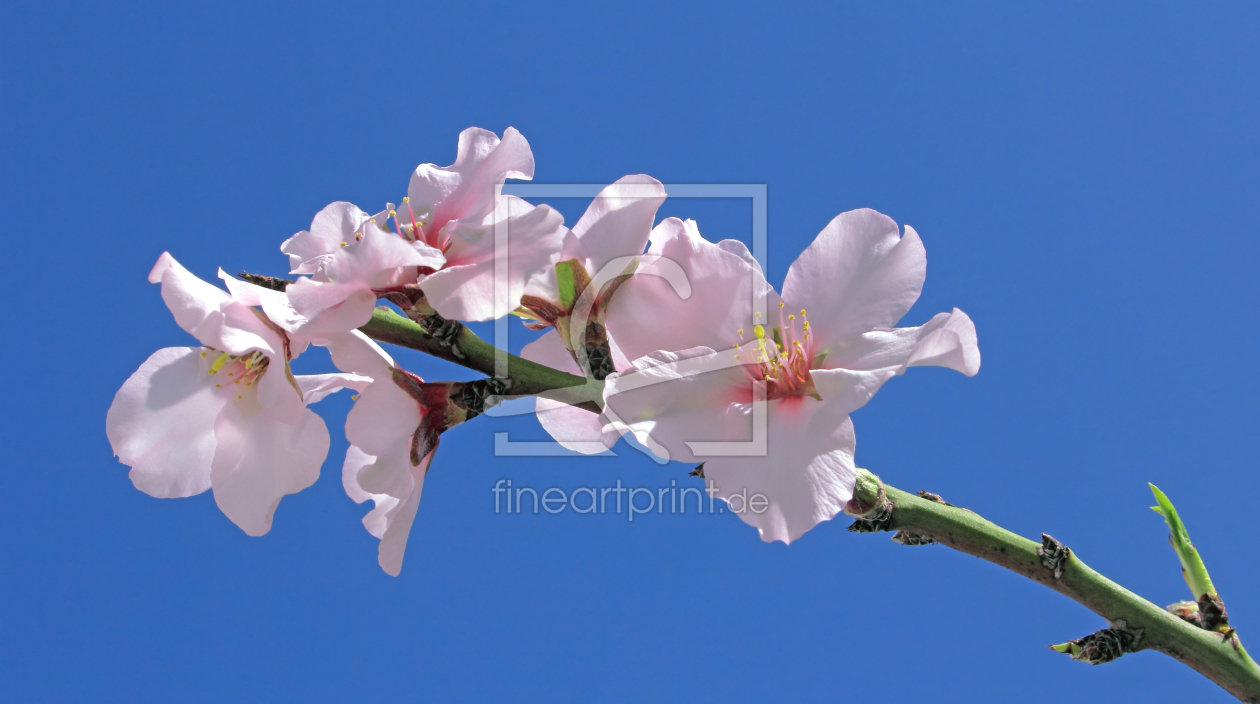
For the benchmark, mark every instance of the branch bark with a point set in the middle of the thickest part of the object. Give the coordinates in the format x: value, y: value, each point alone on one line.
x: 1221, y: 659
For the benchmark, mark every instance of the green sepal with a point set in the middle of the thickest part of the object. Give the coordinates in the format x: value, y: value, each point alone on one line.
x: 572, y: 280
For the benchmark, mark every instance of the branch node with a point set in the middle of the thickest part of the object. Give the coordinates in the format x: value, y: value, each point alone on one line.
x: 1053, y: 555
x: 877, y: 519
x: 1105, y: 645
x: 912, y: 539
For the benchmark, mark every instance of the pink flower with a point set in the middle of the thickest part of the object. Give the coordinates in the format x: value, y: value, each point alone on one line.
x: 454, y: 235
x: 228, y: 415
x: 598, y: 255
x: 815, y: 355
x: 394, y: 430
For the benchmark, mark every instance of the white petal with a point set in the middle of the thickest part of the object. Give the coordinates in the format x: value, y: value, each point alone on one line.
x: 648, y: 314
x: 576, y: 429
x: 473, y: 286
x: 194, y: 303
x: 259, y: 460
x: 856, y: 366
x: 356, y: 353
x: 806, y: 477
x: 398, y: 520
x: 669, y: 399
x: 316, y: 387
x: 335, y: 224
x: 619, y: 221
x: 858, y: 275
x: 161, y: 423
x: 465, y: 189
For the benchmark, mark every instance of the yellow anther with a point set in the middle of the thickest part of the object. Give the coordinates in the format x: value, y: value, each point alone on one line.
x: 406, y: 199
x: 356, y: 396
x: 343, y: 244
x: 203, y: 354
x: 238, y: 397
x: 802, y: 312
x: 791, y: 317
x: 780, y: 304
x: 392, y: 213
x: 235, y: 382
x: 741, y: 332
x: 219, y: 362
x: 217, y: 386
x: 758, y: 314
x: 735, y: 346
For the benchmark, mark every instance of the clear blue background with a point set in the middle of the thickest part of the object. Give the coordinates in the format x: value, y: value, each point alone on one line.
x: 1084, y: 179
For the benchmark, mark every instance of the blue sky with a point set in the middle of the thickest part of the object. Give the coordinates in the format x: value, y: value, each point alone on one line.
x: 1084, y: 179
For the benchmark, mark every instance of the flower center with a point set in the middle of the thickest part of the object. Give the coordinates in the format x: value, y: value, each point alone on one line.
x: 237, y: 370
x: 781, y: 358
x: 414, y: 229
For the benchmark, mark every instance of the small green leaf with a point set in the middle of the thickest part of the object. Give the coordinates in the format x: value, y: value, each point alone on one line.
x: 1192, y: 567
x: 569, y: 281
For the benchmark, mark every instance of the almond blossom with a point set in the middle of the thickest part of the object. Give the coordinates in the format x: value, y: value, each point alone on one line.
x: 454, y: 236
x: 394, y: 430
x: 794, y: 365
x: 604, y: 248
x: 228, y: 415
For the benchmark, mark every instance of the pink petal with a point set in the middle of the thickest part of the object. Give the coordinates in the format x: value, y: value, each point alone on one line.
x: 618, y: 222
x: 317, y: 387
x: 806, y: 477
x: 465, y: 189
x: 381, y: 424
x: 858, y: 275
x: 161, y: 423
x: 855, y: 367
x: 259, y: 460
x: 356, y: 353
x: 194, y: 303
x: 649, y: 314
x: 469, y: 287
x: 670, y: 399
x: 392, y: 517
x: 576, y: 429
x: 335, y: 224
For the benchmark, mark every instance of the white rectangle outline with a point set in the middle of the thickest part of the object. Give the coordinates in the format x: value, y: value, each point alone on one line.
x: 503, y: 446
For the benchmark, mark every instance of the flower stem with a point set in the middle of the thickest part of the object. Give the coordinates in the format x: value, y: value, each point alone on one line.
x: 527, y: 378
x: 1220, y: 658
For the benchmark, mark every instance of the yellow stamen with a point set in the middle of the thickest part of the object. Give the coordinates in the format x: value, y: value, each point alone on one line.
x: 343, y: 244
x: 219, y: 362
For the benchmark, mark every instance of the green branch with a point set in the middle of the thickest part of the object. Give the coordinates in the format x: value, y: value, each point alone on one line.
x: 1218, y: 657
x: 467, y: 350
